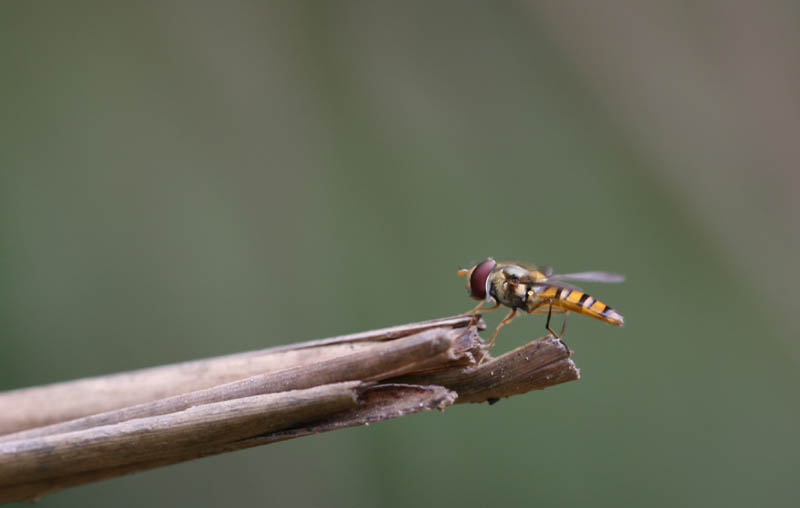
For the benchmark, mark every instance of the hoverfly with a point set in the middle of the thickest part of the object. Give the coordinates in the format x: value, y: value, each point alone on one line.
x: 536, y: 292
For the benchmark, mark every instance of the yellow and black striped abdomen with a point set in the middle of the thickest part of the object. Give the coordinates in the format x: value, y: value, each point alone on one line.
x: 575, y: 300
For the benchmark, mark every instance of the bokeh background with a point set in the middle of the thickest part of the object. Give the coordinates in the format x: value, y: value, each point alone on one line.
x: 186, y: 179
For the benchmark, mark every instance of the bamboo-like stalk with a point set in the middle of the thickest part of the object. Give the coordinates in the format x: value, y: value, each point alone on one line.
x: 43, y: 405
x: 71, y: 465
x: 379, y: 361
x: 334, y: 383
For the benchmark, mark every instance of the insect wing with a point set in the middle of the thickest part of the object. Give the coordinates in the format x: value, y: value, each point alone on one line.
x: 556, y: 284
x: 589, y: 277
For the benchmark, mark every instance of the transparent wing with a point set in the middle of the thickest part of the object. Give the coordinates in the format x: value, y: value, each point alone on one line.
x: 589, y: 277
x: 554, y: 283
x: 526, y: 266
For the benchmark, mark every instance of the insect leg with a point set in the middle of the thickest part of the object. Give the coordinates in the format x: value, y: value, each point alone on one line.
x: 477, y: 307
x: 475, y: 312
x: 563, y: 327
x: 493, y: 338
x: 475, y: 315
x: 550, y: 310
x: 547, y: 325
x: 564, y: 324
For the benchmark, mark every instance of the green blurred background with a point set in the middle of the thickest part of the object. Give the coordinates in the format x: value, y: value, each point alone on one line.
x: 186, y: 179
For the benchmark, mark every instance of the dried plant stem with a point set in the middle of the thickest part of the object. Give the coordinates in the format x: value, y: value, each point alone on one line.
x: 44, y: 405
x: 323, y: 385
x: 382, y: 360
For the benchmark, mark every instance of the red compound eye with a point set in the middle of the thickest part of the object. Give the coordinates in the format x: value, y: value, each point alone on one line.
x: 477, y: 281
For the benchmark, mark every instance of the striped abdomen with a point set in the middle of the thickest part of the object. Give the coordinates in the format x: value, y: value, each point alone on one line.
x: 575, y: 300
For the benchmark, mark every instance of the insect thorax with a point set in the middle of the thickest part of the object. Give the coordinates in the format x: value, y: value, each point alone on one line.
x: 512, y: 292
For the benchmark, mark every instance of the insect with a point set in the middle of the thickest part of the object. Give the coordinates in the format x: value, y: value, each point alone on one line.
x: 536, y: 291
